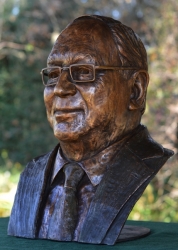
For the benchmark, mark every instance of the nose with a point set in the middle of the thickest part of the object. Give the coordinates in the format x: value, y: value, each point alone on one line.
x: 64, y: 86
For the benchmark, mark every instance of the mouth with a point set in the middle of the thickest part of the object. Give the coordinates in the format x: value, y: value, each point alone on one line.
x: 64, y: 114
x: 67, y: 111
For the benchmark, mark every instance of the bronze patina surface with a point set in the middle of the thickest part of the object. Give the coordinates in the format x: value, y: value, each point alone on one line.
x: 95, y: 91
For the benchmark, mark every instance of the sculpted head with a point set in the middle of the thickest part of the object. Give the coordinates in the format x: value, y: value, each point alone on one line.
x: 107, y: 108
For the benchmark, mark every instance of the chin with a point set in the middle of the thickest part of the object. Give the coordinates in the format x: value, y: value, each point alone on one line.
x: 67, y: 133
x: 66, y: 137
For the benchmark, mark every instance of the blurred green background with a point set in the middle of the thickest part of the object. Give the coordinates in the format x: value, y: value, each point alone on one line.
x: 28, y: 30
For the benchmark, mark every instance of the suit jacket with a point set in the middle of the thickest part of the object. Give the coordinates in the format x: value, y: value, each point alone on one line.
x: 122, y: 185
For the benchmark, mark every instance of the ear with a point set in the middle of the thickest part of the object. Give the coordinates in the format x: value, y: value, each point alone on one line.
x: 139, y: 83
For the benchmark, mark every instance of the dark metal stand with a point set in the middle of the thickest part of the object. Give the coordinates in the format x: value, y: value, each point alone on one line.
x: 132, y: 233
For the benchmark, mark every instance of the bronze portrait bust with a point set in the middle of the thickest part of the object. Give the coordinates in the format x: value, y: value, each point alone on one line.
x: 95, y: 90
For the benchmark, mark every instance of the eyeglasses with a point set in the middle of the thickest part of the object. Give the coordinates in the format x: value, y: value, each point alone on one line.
x: 79, y: 73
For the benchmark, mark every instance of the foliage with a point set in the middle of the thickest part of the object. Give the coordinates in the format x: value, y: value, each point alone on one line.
x: 8, y: 186
x: 27, y: 31
x: 160, y: 199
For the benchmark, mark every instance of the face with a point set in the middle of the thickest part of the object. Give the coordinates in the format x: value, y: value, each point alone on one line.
x: 77, y: 111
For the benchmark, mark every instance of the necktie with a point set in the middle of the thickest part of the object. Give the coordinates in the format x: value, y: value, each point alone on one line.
x: 64, y: 217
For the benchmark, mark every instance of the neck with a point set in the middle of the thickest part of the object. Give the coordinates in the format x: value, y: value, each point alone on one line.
x: 86, y: 148
x: 82, y: 149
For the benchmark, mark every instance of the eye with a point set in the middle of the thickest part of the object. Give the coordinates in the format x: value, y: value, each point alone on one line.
x: 50, y: 76
x: 82, y: 73
x: 83, y: 70
x: 53, y: 74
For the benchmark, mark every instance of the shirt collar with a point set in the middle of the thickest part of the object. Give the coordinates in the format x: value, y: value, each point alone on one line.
x: 58, y: 164
x: 94, y: 167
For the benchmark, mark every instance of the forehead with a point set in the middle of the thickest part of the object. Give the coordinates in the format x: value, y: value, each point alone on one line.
x: 64, y: 55
x: 84, y: 41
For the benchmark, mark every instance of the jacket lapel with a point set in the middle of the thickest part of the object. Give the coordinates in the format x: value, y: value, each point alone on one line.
x: 120, y: 182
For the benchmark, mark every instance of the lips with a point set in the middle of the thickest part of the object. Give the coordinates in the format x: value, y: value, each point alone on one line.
x: 67, y: 111
x: 64, y: 114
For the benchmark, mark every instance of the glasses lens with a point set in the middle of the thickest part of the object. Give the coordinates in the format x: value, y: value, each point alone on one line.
x: 50, y: 75
x: 82, y: 73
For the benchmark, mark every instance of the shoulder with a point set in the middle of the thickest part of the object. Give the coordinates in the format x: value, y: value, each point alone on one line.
x: 39, y: 163
x: 147, y: 149
x: 31, y: 185
x: 143, y: 145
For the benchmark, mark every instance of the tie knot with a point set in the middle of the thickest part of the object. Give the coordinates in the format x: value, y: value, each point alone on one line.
x: 73, y: 174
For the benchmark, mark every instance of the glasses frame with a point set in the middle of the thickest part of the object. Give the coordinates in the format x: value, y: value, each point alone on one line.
x: 81, y: 64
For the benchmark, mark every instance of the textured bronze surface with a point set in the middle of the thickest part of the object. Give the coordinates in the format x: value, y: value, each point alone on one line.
x: 95, y: 91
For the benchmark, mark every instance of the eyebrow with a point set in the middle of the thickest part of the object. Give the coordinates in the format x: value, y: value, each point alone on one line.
x: 55, y: 59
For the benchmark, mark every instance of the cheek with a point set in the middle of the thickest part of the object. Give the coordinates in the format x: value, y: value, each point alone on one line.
x: 97, y: 99
x: 48, y: 98
x: 122, y: 98
x: 104, y: 97
x: 94, y: 95
x: 101, y: 96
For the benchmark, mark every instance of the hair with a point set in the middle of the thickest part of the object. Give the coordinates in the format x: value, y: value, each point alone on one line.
x: 131, y: 51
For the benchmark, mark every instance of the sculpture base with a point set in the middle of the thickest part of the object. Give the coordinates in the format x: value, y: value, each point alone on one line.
x: 132, y: 233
